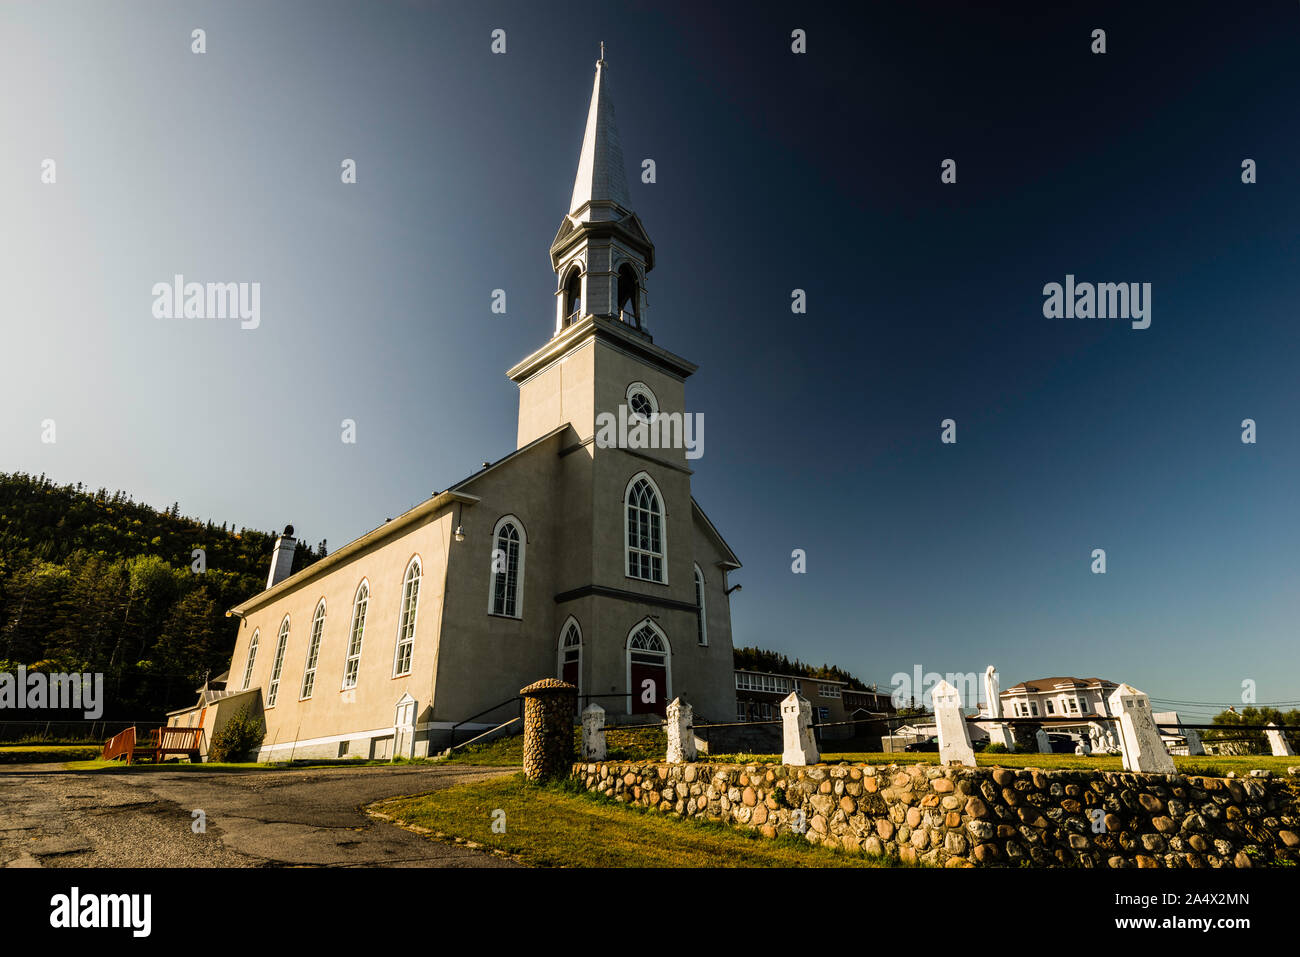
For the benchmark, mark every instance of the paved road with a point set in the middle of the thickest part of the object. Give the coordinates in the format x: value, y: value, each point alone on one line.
x: 55, y: 818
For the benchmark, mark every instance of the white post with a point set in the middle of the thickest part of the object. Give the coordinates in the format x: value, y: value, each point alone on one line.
x: 1277, y: 740
x: 1194, y: 745
x: 954, y: 736
x: 1139, y: 740
x: 593, y: 733
x: 1044, y: 742
x: 796, y: 727
x: 681, y: 736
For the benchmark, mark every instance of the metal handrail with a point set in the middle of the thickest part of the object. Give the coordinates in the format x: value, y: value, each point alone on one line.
x: 452, y: 734
x: 483, y: 735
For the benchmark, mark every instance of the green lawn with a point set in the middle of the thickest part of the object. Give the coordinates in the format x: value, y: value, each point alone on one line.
x: 45, y: 753
x: 622, y: 744
x: 559, y: 826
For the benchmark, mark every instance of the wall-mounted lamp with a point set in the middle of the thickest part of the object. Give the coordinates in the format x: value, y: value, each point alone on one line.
x: 733, y: 588
x: 460, y: 529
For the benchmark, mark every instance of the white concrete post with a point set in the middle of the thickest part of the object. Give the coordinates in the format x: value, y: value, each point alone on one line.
x: 1044, y: 742
x: 593, y: 733
x: 796, y: 726
x: 681, y: 736
x: 954, y: 736
x: 1139, y: 740
x: 1277, y: 740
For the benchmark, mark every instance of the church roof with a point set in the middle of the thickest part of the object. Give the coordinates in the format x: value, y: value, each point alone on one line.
x: 601, y: 177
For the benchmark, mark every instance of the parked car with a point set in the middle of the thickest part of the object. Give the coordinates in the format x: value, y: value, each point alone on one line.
x: 1063, y: 742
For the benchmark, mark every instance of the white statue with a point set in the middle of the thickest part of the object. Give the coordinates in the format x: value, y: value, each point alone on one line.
x: 991, y: 693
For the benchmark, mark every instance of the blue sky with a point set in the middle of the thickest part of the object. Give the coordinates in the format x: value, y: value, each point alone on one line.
x: 775, y: 171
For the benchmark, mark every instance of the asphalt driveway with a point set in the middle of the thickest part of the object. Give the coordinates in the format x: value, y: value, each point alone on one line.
x: 254, y: 817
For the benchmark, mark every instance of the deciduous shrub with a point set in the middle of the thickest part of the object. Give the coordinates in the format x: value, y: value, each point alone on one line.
x: 238, y: 738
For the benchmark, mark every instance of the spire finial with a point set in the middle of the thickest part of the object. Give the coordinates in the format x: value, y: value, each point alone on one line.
x: 602, y: 51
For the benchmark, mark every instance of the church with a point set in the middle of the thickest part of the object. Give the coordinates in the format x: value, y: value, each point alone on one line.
x: 571, y: 557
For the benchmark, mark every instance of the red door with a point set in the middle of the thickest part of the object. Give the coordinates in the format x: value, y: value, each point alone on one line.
x: 649, y: 684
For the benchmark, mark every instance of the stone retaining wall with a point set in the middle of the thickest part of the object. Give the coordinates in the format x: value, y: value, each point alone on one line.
x: 961, y: 816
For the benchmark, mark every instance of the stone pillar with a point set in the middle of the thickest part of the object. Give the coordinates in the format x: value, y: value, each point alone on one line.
x: 800, y: 747
x: 1194, y: 745
x: 954, y: 736
x: 548, y: 728
x: 1277, y: 740
x: 1044, y: 742
x: 681, y: 734
x: 593, y: 733
x: 1139, y: 739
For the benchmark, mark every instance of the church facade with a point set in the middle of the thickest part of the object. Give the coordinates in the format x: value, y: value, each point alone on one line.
x: 571, y: 557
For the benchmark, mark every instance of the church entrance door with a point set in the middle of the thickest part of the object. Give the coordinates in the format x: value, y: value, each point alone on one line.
x: 647, y: 670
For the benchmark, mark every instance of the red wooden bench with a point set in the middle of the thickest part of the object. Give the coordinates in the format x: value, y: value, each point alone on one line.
x: 187, y: 741
x: 155, y: 748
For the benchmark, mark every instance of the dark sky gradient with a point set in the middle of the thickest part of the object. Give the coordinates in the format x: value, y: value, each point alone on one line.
x: 775, y: 171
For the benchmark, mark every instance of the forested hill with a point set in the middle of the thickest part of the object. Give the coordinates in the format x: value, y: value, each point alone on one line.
x: 758, y: 659
x: 97, y: 582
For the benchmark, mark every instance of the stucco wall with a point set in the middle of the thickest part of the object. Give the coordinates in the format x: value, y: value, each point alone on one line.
x: 369, y: 707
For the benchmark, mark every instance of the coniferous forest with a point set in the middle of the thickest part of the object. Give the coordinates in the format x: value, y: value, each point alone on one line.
x: 92, y: 581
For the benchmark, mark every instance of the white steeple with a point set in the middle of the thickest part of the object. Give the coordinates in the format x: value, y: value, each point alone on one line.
x: 601, y: 178
x: 601, y: 253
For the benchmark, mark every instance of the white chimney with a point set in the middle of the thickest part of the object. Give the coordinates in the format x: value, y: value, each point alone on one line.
x: 282, y: 558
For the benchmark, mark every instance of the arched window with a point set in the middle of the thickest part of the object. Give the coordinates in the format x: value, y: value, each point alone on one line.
x: 313, y: 651
x: 252, y: 656
x: 356, y: 631
x: 629, y: 299
x: 645, y: 530
x: 573, y: 297
x: 570, y: 663
x: 649, y: 674
x: 505, y: 597
x: 406, y: 627
x: 273, y: 690
x: 701, y: 625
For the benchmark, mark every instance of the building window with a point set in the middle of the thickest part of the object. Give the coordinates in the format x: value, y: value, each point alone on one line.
x: 252, y: 656
x: 273, y: 691
x: 641, y: 402
x: 507, y: 568
x: 570, y: 668
x: 823, y: 715
x: 313, y: 651
x: 1033, y: 707
x: 741, y: 714
x: 356, y: 632
x: 1050, y: 709
x: 645, y: 533
x: 406, y: 628
x: 828, y: 691
x: 701, y: 625
x: 773, y: 684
